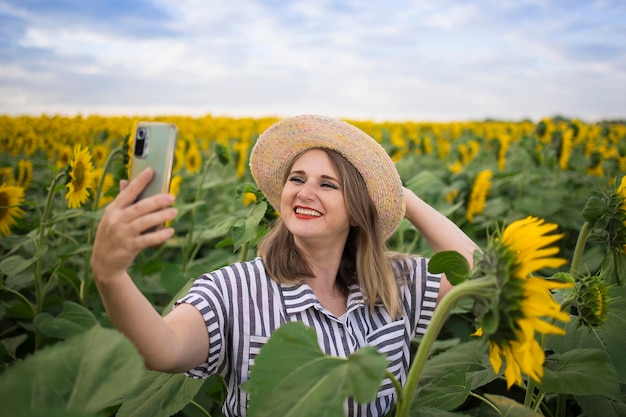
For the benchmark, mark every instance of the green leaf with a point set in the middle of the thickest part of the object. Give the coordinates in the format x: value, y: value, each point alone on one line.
x: 580, y: 372
x: 172, y: 278
x: 255, y: 215
x: 85, y: 374
x: 508, y: 407
x: 452, y: 263
x: 446, y: 392
x: 594, y: 405
x: 73, y: 320
x: 159, y: 394
x: 12, y: 343
x: 14, y: 264
x: 543, y: 204
x: 293, y: 377
x: 471, y: 355
x: 490, y: 321
x: 614, y: 267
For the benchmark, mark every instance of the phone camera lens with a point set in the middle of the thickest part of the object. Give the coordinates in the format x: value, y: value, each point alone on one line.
x: 141, y: 138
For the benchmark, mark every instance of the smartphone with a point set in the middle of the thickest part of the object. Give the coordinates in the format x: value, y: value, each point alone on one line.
x: 153, y: 146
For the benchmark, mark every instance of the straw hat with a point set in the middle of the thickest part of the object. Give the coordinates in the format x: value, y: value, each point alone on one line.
x: 276, y: 148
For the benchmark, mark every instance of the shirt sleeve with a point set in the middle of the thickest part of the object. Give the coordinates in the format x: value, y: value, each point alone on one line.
x: 207, y: 295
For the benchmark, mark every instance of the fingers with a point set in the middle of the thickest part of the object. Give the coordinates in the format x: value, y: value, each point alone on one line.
x: 155, y: 238
x: 129, y: 191
x: 145, y: 221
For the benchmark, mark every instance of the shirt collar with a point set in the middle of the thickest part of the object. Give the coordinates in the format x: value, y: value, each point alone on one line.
x: 298, y: 298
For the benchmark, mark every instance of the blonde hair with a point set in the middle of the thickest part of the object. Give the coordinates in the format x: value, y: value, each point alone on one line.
x: 364, y: 261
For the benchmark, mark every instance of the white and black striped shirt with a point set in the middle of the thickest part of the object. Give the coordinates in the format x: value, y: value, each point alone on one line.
x: 242, y: 306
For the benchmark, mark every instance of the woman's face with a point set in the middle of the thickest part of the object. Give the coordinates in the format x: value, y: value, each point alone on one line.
x: 312, y: 204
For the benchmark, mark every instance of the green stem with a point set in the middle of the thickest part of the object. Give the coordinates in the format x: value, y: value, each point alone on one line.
x: 530, y: 387
x: 244, y: 251
x: 43, y: 225
x: 200, y: 408
x: 48, y: 206
x: 560, y: 405
x: 9, y: 330
x: 23, y: 298
x: 530, y: 390
x: 396, y: 385
x: 540, y: 398
x: 585, y: 231
x: 84, y: 283
x: 40, y: 293
x: 486, y: 401
x: 188, y: 251
x: 110, y: 158
x: 478, y: 287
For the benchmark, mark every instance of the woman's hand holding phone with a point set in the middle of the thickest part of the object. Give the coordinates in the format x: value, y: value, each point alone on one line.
x: 121, y: 234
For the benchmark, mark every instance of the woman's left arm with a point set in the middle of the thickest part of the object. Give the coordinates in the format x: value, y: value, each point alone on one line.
x: 439, y: 231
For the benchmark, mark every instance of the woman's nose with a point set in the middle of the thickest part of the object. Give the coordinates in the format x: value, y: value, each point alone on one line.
x: 305, y: 193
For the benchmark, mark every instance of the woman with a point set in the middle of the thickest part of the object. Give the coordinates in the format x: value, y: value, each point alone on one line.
x: 323, y: 263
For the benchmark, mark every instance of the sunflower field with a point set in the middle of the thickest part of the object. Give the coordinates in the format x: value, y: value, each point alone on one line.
x: 536, y: 328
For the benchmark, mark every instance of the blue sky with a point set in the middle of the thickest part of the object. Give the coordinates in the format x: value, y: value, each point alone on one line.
x: 381, y: 60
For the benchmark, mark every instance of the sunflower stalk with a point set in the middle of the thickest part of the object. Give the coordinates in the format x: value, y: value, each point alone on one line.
x: 191, y: 249
x: 530, y: 400
x: 40, y: 292
x: 244, y: 251
x: 480, y: 287
x: 84, y: 283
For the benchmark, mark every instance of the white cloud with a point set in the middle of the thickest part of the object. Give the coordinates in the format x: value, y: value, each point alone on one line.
x: 378, y: 59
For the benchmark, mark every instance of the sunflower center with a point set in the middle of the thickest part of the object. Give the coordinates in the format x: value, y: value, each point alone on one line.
x: 4, y: 204
x: 79, y: 175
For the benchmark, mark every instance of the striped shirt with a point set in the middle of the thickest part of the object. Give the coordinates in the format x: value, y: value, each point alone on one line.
x: 242, y: 306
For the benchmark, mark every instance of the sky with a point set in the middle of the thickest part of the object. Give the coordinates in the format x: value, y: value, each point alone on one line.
x: 419, y: 60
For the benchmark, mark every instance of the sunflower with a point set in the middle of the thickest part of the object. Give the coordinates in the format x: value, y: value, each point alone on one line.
x: 193, y: 159
x: 64, y: 156
x: 592, y: 301
x: 456, y: 167
x: 511, y: 322
x: 175, y: 185
x: 81, y: 177
x: 24, y: 172
x: 100, y: 154
x: 6, y: 176
x: 479, y: 193
x: 11, y: 196
x: 621, y: 195
x: 248, y: 198
x: 179, y: 158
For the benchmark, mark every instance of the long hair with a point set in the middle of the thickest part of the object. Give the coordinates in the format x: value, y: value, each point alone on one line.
x: 364, y: 261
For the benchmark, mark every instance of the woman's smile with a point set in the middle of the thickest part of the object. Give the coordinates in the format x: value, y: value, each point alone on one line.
x: 307, y: 213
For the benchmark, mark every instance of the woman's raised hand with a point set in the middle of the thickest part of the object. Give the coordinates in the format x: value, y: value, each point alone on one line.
x: 120, y: 237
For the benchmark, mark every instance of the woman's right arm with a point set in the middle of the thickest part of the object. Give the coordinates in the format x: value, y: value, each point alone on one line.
x: 175, y: 343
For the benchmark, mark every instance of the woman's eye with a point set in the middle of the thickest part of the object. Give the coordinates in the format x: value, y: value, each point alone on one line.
x: 330, y: 185
x: 296, y: 180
